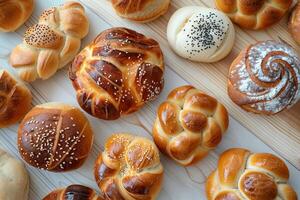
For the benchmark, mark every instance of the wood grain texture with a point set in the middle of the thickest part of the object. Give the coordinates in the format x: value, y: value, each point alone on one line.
x: 278, y: 134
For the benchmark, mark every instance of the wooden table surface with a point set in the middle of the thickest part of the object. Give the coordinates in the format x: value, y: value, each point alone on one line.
x: 278, y: 134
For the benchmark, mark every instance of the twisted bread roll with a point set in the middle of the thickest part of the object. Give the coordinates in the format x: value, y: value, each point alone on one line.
x: 189, y: 124
x: 140, y: 10
x: 265, y: 78
x: 13, y: 13
x: 55, y: 137
x: 117, y: 73
x: 244, y: 175
x: 52, y: 43
x: 73, y: 192
x: 129, y: 169
x: 254, y: 14
x: 15, y: 99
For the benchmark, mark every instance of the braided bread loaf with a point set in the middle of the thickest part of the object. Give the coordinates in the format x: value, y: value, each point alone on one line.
x: 52, y: 43
x: 254, y: 14
x: 73, y: 192
x: 242, y: 175
x: 129, y: 169
x: 189, y: 124
x: 13, y: 13
x: 117, y: 73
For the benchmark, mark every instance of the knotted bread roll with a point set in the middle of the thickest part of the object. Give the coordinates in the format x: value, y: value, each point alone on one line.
x: 73, y: 192
x: 242, y: 175
x: 117, y: 73
x: 129, y: 168
x: 52, y: 43
x: 254, y: 14
x: 13, y: 13
x: 189, y: 124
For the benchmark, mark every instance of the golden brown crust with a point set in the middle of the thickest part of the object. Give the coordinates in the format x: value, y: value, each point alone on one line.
x: 52, y: 43
x: 79, y: 192
x: 242, y: 174
x: 140, y: 10
x: 129, y: 168
x: 15, y: 99
x: 13, y: 13
x: 117, y: 73
x: 189, y: 124
x: 294, y: 23
x: 254, y: 14
x: 55, y: 137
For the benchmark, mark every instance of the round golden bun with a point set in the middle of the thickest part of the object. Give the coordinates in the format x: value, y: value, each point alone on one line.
x: 294, y: 23
x: 15, y: 99
x: 189, y: 124
x: 143, y: 176
x: 13, y: 13
x: 244, y: 175
x: 55, y: 137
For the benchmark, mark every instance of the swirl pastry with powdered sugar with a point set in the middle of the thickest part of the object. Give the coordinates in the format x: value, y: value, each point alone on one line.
x: 265, y: 78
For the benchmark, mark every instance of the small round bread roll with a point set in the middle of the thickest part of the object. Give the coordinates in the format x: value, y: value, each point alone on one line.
x: 55, y: 137
x: 140, y: 10
x: 265, y: 78
x: 201, y: 34
x: 73, y: 192
x: 244, y: 175
x: 13, y: 13
x: 15, y: 99
x: 117, y: 73
x: 254, y: 14
x: 294, y: 23
x: 189, y: 124
x: 129, y: 168
x: 14, y: 180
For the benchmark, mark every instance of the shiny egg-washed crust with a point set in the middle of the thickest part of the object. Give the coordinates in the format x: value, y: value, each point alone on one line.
x: 242, y: 175
x: 189, y: 124
x: 129, y: 169
x: 15, y: 99
x: 254, y: 14
x: 13, y: 13
x: 140, y: 10
x: 55, y: 137
x: 117, y: 73
x: 73, y: 192
x: 52, y: 43
x: 294, y: 23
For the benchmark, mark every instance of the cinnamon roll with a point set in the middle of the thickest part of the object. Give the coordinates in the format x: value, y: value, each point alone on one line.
x: 265, y: 78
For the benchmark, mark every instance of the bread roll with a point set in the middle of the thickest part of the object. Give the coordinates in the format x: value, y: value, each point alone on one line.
x: 294, y: 23
x: 117, y: 73
x: 189, y: 124
x: 200, y: 34
x: 129, y: 168
x: 13, y: 13
x: 15, y: 99
x: 14, y: 180
x: 254, y: 14
x: 265, y: 78
x: 52, y: 43
x: 55, y: 137
x: 244, y: 175
x: 140, y: 10
x: 73, y: 192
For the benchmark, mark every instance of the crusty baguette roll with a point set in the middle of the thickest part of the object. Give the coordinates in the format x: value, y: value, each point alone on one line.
x: 15, y: 99
x: 52, y: 43
x: 254, y: 14
x: 55, y: 137
x: 13, y: 13
x: 117, y: 73
x: 140, y: 10
x: 73, y: 192
x: 14, y: 179
x: 244, y: 175
x: 189, y: 124
x: 129, y: 168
